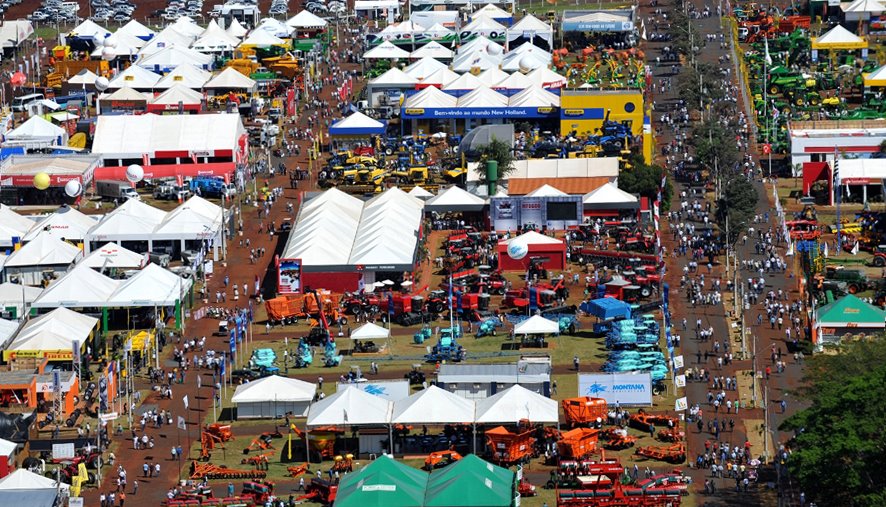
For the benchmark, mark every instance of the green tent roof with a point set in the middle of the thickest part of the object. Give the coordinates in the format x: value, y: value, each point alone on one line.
x: 470, y: 482
x: 382, y: 483
x: 851, y: 310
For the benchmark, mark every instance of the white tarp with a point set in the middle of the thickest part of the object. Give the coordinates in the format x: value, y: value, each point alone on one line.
x: 170, y: 36
x: 214, y: 39
x: 273, y: 27
x: 370, y: 331
x: 546, y: 191
x: 262, y: 38
x: 82, y: 287
x: 421, y: 193
x: 546, y: 78
x: 230, y: 79
x: 44, y: 250
x: 534, y: 238
x: 838, y: 35
x: 537, y: 325
x: 7, y: 330
x: 274, y: 388
x: 236, y: 29
x: 55, y: 330
x: 132, y: 220
x: 516, y: 403
x: 516, y: 81
x: 113, y: 256
x: 89, y: 29
x: 137, y: 29
x: 23, y: 487
x: 194, y: 218
x: 388, y: 231
x: 433, y: 406
x: 350, y: 407
x: 491, y: 77
x: 131, y: 136
x: 66, y: 223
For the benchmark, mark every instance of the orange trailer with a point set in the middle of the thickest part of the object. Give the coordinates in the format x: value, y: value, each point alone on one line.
x: 584, y: 410
x: 577, y: 443
x: 508, y: 447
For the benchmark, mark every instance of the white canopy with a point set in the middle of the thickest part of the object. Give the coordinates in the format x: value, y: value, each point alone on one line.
x: 187, y: 26
x: 437, y: 31
x: 262, y: 38
x: 84, y: 77
x: 192, y: 219
x: 836, y: 36
x: 516, y: 81
x: 384, y: 51
x: 89, y: 29
x: 66, y: 222
x: 525, y: 62
x: 152, y: 286
x: 130, y: 136
x: 491, y: 10
x: 480, y: 44
x: 325, y: 229
x: 546, y: 191
x: 387, y: 234
x: 609, y: 196
x: 43, y: 250
x: 133, y: 220
x: 350, y: 407
x: 533, y: 238
x: 7, y: 447
x: 274, y: 27
x: 171, y: 57
x: 530, y: 26
x: 493, y: 76
x: 126, y: 94
x: 274, y: 388
x: 424, y: 67
x: 124, y: 44
x: 112, y: 256
x: 23, y: 487
x: 534, y: 96
x: 465, y: 62
x: 516, y: 403
x: 37, y: 130
x: 14, y: 294
x: 7, y: 330
x: 421, y: 193
x: 170, y: 36
x: 430, y: 97
x: 55, y: 330
x: 537, y: 325
x: 12, y: 225
x: 433, y: 406
x: 82, y: 287
x: 455, y: 198
x: 230, y: 79
x: 186, y: 75
x: 432, y: 49
x: 135, y: 77
x: 546, y: 78
x: 484, y: 25
x: 236, y: 29
x: 215, y: 39
x: 466, y: 81
x: 482, y: 97
x: 440, y: 78
x: 394, y: 77
x: 135, y: 28
x: 178, y: 94
x: 370, y: 331
x: 306, y: 20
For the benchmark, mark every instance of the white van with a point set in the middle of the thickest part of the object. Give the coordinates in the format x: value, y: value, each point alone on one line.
x: 19, y: 103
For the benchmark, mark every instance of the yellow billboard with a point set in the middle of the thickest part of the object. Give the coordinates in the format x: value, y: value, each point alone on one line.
x: 584, y: 111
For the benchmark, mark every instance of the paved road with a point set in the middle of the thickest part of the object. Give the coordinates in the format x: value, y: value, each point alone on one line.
x: 715, y: 316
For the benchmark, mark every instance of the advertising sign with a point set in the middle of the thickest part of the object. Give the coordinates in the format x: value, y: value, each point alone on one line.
x: 393, y: 390
x: 621, y: 388
x: 480, y: 112
x: 515, y: 212
x: 289, y: 275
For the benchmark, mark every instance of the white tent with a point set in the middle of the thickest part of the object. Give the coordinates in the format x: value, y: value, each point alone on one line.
x: 54, y: 331
x: 838, y: 38
x: 7, y: 330
x: 516, y: 81
x: 23, y: 487
x: 134, y: 136
x: 136, y: 29
x: 306, y: 20
x: 113, y: 256
x: 525, y: 62
x: 421, y: 193
x: 430, y: 97
x: 491, y: 77
x: 131, y: 221
x: 387, y: 235
x: 466, y: 62
x: 385, y: 51
x: 530, y: 26
x: 169, y: 58
x: 350, y: 407
x: 455, y: 198
x: 12, y: 225
x: 273, y: 397
x: 187, y: 26
x: 230, y: 79
x: 482, y: 97
x: 185, y: 74
x: 152, y: 286
x: 178, y: 94
x: 43, y: 250
x: 170, y: 36
x: 273, y: 27
x: 17, y: 297
x: 433, y: 406
x: 370, y: 331
x: 516, y: 403
x: 262, y: 38
x: 537, y: 325
x: 325, y: 228
x: 122, y: 44
x: 610, y: 196
x: 88, y: 29
x: 215, y: 39
x: 37, y: 131
x: 466, y: 81
x: 432, y: 49
x: 394, y: 77
x: 480, y: 44
x: 84, y: 77
x: 236, y: 29
x: 491, y: 11
x: 437, y: 31
x: 82, y: 287
x: 484, y: 25
x: 424, y: 67
x: 533, y: 238
x: 191, y: 220
x: 135, y: 77
x: 534, y: 96
x: 546, y: 78
x: 440, y: 78
x: 546, y: 191
x: 126, y: 94
x: 67, y: 223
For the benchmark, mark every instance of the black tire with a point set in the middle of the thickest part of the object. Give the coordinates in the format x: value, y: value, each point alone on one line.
x: 645, y: 291
x: 353, y: 308
x: 879, y: 262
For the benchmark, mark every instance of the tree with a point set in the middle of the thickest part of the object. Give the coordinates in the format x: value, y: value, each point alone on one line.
x: 838, y: 453
x: 644, y: 179
x: 736, y: 207
x: 714, y: 145
x: 496, y: 150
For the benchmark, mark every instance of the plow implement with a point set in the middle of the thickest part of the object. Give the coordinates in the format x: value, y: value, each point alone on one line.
x: 672, y: 454
x: 617, y: 439
x: 210, y: 471
x: 297, y: 470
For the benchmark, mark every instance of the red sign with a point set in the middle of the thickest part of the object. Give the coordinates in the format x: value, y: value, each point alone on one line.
x: 767, y: 149
x: 55, y: 180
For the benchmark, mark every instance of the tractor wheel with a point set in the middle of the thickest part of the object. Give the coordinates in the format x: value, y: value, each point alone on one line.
x: 354, y: 308
x: 799, y: 101
x: 645, y: 291
x: 814, y: 101
x: 879, y: 261
x: 773, y: 90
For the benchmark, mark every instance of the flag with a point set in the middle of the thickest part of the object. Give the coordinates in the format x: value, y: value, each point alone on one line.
x: 186, y: 402
x: 681, y: 404
x: 680, y: 381
x: 678, y: 362
x: 855, y: 249
x: 643, y: 35
x: 826, y: 251
x: 182, y: 424
x: 766, y: 46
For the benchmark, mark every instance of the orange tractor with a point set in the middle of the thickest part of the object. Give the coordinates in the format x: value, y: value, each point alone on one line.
x: 441, y: 459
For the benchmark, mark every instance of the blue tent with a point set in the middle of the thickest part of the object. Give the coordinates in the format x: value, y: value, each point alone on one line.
x: 607, y: 308
x: 357, y: 124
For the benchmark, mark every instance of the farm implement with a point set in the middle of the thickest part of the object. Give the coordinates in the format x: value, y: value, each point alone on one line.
x: 672, y: 454
x: 209, y: 471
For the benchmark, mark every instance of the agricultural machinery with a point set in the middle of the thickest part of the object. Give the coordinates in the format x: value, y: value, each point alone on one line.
x: 584, y: 411
x: 447, y: 347
x: 488, y: 327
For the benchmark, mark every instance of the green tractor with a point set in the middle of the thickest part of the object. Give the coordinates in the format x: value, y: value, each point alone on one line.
x: 779, y: 84
x: 864, y: 114
x: 801, y: 96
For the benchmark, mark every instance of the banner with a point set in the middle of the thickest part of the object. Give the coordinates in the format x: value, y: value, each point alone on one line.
x: 680, y: 380
x: 617, y: 388
x: 392, y: 390
x: 681, y: 404
x: 182, y: 424
x: 678, y: 362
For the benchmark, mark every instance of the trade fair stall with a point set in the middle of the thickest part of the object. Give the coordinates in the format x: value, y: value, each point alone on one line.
x: 124, y: 100
x: 19, y: 172
x: 178, y: 99
x: 51, y: 336
x: 134, y: 77
x: 41, y: 260
x: 273, y: 397
x: 13, y: 226
x: 551, y: 252
x: 532, y: 30
x: 66, y: 223
x: 479, y: 381
x: 456, y: 203
x: 384, y: 481
x: 516, y: 403
x: 185, y: 75
x: 23, y: 487
x: 355, y: 129
x: 16, y: 299
x: 819, y: 141
x: 433, y: 406
x: 845, y: 319
x: 36, y: 133
x: 610, y: 201
x: 549, y: 212
x: 112, y: 258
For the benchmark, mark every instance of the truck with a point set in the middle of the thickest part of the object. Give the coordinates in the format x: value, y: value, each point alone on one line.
x: 171, y: 192
x: 209, y: 186
x: 121, y: 190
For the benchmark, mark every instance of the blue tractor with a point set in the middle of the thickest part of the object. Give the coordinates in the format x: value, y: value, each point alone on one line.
x: 447, y: 347
x: 488, y: 327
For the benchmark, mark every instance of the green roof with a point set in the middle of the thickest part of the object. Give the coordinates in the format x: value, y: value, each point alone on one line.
x: 382, y: 483
x: 851, y: 310
x: 470, y: 482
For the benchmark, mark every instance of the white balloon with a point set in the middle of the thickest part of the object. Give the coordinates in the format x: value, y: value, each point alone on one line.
x: 73, y: 188
x: 493, y: 49
x: 108, y: 54
x: 517, y: 249
x: 110, y: 43
x: 135, y: 173
x: 528, y: 63
x: 102, y: 83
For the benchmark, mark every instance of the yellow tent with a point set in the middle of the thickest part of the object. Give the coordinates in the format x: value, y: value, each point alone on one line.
x: 839, y: 38
x: 876, y: 78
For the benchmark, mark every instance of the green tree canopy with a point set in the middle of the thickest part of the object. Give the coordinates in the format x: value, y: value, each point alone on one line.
x: 644, y: 179
x: 738, y: 203
x: 839, y: 452
x: 714, y: 144
x: 496, y: 150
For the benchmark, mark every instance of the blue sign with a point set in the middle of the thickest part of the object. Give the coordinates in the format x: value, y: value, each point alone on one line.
x: 597, y: 26
x: 622, y: 388
x: 483, y: 112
